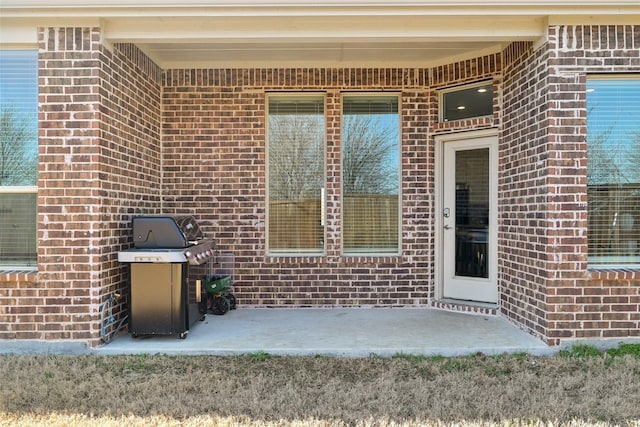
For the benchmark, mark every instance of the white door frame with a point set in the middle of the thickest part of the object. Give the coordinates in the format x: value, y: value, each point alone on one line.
x: 440, y: 140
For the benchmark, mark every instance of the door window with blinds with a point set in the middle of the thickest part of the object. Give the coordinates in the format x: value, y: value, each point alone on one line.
x: 296, y: 174
x: 370, y: 174
x: 613, y: 171
x: 18, y: 157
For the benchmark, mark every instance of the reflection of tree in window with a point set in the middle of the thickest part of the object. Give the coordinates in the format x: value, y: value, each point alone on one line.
x: 296, y: 148
x: 613, y: 171
x: 18, y: 157
x: 612, y: 162
x: 371, y: 174
x: 296, y: 138
x: 370, y: 141
x: 18, y: 152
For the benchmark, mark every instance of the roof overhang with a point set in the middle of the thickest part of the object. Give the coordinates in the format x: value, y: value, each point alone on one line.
x: 299, y: 33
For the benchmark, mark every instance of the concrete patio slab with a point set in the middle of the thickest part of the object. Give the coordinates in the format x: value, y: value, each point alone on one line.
x: 343, y: 332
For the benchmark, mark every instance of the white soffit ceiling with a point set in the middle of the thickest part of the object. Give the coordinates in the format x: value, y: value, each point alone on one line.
x: 270, y: 54
x: 304, y: 33
x: 326, y: 53
x: 277, y: 41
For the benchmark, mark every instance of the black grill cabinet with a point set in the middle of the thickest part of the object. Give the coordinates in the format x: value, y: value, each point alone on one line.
x: 164, y: 298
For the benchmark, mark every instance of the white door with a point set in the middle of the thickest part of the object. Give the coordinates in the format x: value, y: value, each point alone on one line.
x: 469, y: 219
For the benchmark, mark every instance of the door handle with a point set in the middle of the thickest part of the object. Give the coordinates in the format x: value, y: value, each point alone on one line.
x: 447, y: 227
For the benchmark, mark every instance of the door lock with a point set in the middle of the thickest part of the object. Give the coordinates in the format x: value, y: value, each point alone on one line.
x: 447, y: 227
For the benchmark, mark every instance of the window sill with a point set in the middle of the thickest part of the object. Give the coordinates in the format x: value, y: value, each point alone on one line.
x: 616, y: 267
x: 633, y: 268
x: 618, y: 273
x: 18, y: 274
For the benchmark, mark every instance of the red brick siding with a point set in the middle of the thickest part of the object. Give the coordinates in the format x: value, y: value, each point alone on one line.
x: 130, y: 162
x: 214, y: 148
x: 99, y: 162
x: 68, y: 193
x: 522, y: 189
x: 214, y: 154
x: 20, y: 300
x: 545, y: 282
x: 104, y: 113
x: 582, y: 303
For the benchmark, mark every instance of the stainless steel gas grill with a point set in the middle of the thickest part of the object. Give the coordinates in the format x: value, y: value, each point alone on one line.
x: 165, y: 298
x: 162, y: 239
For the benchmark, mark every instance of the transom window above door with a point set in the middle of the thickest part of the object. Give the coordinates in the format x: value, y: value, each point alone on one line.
x: 465, y: 102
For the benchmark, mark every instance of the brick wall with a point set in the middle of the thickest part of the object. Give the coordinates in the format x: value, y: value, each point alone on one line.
x: 99, y: 162
x: 130, y: 161
x: 523, y: 242
x: 583, y: 303
x: 20, y: 300
x: 214, y: 148
x: 68, y: 183
x: 104, y: 113
x: 214, y: 154
x: 545, y: 282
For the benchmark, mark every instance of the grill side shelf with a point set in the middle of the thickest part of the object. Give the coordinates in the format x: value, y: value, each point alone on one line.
x: 151, y: 255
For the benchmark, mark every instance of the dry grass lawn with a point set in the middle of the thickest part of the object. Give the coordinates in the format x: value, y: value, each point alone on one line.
x: 577, y: 388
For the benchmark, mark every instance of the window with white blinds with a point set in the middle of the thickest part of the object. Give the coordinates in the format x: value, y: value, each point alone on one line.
x: 296, y: 174
x: 613, y: 171
x: 18, y: 157
x: 371, y: 174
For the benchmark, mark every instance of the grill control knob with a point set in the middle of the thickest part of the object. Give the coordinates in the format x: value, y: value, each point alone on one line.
x: 188, y: 254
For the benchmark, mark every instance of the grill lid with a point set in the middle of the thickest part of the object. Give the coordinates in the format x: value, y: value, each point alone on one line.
x: 165, y: 231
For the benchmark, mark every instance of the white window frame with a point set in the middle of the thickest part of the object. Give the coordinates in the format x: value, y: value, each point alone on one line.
x: 374, y: 253
x: 284, y: 252
x: 448, y: 90
x: 23, y: 189
x: 596, y: 262
x: 27, y: 189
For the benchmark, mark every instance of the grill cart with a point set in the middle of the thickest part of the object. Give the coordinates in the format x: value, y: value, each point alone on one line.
x: 165, y: 298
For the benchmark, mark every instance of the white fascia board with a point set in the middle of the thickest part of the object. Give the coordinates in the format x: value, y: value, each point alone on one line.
x: 91, y: 4
x: 620, y: 19
x: 18, y: 35
x: 158, y: 8
x: 417, y: 28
